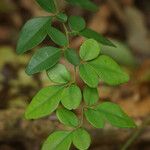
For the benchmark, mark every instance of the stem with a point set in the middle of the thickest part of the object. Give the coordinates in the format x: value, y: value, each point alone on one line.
x: 75, y: 71
x: 64, y: 26
x: 67, y: 33
x: 82, y: 117
x: 57, y: 9
x: 135, y: 134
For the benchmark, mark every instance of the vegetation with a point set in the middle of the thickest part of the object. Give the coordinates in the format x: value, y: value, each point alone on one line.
x: 65, y: 96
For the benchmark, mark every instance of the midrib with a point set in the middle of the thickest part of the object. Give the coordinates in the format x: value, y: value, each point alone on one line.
x: 63, y: 139
x: 37, y: 33
x: 103, y: 111
x: 46, y: 100
x: 46, y: 59
x: 105, y: 68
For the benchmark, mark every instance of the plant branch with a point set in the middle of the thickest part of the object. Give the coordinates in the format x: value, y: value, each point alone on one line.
x: 57, y: 9
x: 66, y: 32
x: 75, y: 71
x: 82, y: 117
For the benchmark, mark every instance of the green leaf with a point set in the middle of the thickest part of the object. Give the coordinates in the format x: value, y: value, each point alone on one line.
x: 33, y: 33
x: 76, y: 23
x: 71, y: 97
x: 88, y: 75
x: 43, y: 59
x: 86, y: 4
x: 62, y: 17
x: 115, y: 115
x: 89, y: 50
x: 72, y: 56
x: 57, y: 36
x: 59, y: 140
x: 95, y: 118
x: 67, y: 117
x: 89, y: 33
x: 47, y: 5
x: 44, y: 102
x: 59, y: 74
x: 109, y: 71
x: 81, y: 139
x: 90, y: 95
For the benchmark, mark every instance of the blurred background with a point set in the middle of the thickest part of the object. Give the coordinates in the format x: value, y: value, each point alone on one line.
x: 127, y: 24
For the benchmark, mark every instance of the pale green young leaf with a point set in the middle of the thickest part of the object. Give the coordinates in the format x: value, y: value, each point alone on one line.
x: 89, y: 33
x: 43, y: 59
x: 59, y: 140
x: 90, y: 95
x: 71, y: 97
x: 86, y: 4
x: 95, y: 118
x: 89, y: 50
x: 72, y: 56
x: 47, y: 5
x: 33, y: 33
x: 81, y: 139
x: 44, y: 102
x: 76, y: 23
x: 115, y: 115
x: 62, y: 17
x: 67, y: 117
x: 88, y: 75
x: 109, y: 71
x: 57, y: 36
x: 59, y: 74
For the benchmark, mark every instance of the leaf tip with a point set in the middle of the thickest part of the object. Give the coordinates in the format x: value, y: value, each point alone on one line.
x: 133, y: 124
x: 28, y: 72
x: 19, y: 52
x: 27, y: 116
x: 126, y: 77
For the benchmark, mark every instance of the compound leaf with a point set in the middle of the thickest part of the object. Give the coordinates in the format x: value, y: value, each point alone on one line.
x: 33, y: 33
x: 95, y: 118
x: 47, y: 5
x: 67, y: 117
x: 57, y: 36
x: 89, y: 50
x: 72, y: 56
x: 90, y: 95
x: 59, y: 140
x: 44, y: 102
x: 115, y: 115
x: 89, y: 33
x: 43, y: 59
x: 88, y: 75
x: 71, y: 97
x: 86, y: 4
x: 81, y: 139
x: 76, y: 23
x: 109, y: 71
x: 59, y: 74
